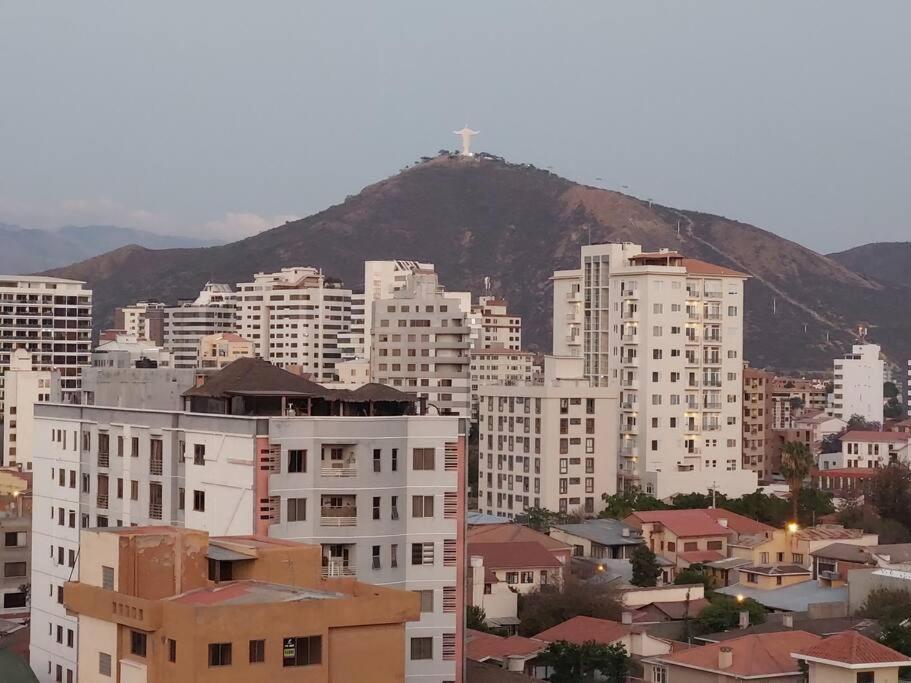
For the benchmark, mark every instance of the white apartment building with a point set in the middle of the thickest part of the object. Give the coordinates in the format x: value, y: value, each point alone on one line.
x: 381, y: 279
x: 858, y: 384
x: 420, y: 344
x: 51, y: 318
x: 492, y: 326
x: 352, y: 343
x: 550, y: 444
x: 143, y: 320
x: 258, y: 450
x: 125, y: 350
x: 24, y: 388
x: 498, y: 366
x: 185, y: 324
x: 669, y: 331
x: 294, y: 317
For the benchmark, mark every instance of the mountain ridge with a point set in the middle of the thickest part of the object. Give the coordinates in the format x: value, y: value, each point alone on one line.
x: 884, y: 261
x: 482, y: 216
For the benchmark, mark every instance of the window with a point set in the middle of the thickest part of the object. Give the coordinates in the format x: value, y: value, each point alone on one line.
x: 426, y: 600
x: 751, y: 578
x: 714, y: 545
x: 257, y: 651
x: 689, y: 546
x: 138, y: 643
x: 11, y: 600
x: 395, y: 459
x: 134, y: 489
x: 659, y: 674
x: 302, y: 651
x: 422, y: 553
x: 199, y: 501
x: 172, y: 650
x: 107, y: 578
x: 866, y: 677
x: 134, y: 447
x: 421, y: 648
x: 199, y: 453
x: 423, y: 458
x: 297, y: 509
x: 297, y: 461
x: 394, y: 555
x: 422, y: 506
x: 11, y: 569
x: 104, y: 663
x: 797, y: 558
x: 377, y: 459
x: 219, y: 654
x: 13, y: 539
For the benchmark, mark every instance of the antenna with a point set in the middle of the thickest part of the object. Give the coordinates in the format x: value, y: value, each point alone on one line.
x: 774, y: 306
x: 678, y: 228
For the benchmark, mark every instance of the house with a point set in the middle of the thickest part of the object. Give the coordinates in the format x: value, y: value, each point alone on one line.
x: 765, y: 657
x: 599, y: 538
x: 513, y: 533
x: 770, y: 577
x: 483, y: 672
x: 843, y: 481
x: 579, y: 630
x: 834, y: 561
x: 785, y: 622
x: 798, y: 597
x: 515, y: 653
x: 850, y: 656
x: 793, y: 546
x: 524, y: 566
x: 868, y: 449
x: 662, y: 603
x: 817, y: 425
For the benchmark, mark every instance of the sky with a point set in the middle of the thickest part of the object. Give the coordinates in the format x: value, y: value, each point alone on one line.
x: 221, y: 118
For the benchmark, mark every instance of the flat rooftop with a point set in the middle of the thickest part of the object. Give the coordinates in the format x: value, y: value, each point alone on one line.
x: 251, y: 593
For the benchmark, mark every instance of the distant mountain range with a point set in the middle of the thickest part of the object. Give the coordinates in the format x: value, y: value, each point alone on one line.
x: 26, y: 250
x: 516, y: 224
x: 883, y: 261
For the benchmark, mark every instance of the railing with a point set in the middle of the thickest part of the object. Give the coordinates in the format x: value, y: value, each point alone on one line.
x: 104, y: 459
x: 712, y: 405
x: 102, y: 501
x: 338, y: 516
x: 155, y: 510
x: 628, y: 337
x: 337, y: 568
x: 712, y: 426
x: 339, y: 471
x: 155, y: 465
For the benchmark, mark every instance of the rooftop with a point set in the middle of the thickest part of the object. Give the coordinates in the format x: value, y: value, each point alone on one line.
x: 697, y: 267
x: 251, y: 592
x: 512, y: 533
x: 603, y: 531
x: 794, y: 598
x: 756, y: 655
x: 581, y: 629
x: 517, y: 555
x: 708, y: 522
x: 851, y: 648
x: 875, y: 437
x: 820, y: 627
x: 776, y: 570
x: 826, y: 531
x: 700, y: 556
x: 481, y: 646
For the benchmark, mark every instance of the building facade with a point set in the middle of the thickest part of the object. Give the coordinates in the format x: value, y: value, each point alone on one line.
x: 379, y: 490
x: 381, y: 279
x: 218, y: 350
x: 757, y: 422
x: 24, y: 388
x: 144, y: 320
x: 51, y: 318
x: 212, y: 312
x: 493, y: 327
x: 551, y: 444
x: 859, y: 384
x: 498, y: 366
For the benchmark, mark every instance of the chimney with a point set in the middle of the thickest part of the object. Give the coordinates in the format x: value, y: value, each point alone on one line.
x: 744, y: 619
x: 723, y: 522
x: 725, y: 657
x: 626, y: 618
x: 787, y: 620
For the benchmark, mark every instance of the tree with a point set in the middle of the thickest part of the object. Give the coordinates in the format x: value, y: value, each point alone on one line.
x: 540, y: 519
x: 892, y: 408
x: 860, y: 423
x: 645, y: 566
x: 542, y: 609
x: 623, y: 504
x: 831, y: 443
x: 590, y: 661
x: 813, y: 504
x: 723, y: 612
x: 897, y: 636
x: 796, y: 464
x: 695, y: 573
x: 890, y: 390
x: 762, y: 507
x: 888, y: 605
x: 890, y: 493
x: 696, y: 501
x: 475, y: 618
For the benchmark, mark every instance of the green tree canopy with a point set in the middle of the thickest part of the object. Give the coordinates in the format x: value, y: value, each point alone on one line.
x: 549, y: 606
x: 645, y: 566
x: 796, y: 464
x: 620, y: 505
x: 695, y: 573
x: 723, y: 613
x: 590, y: 661
x: 888, y: 605
x: 890, y: 493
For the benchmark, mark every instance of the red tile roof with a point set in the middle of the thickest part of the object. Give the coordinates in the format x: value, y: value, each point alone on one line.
x: 851, y: 647
x: 739, y: 523
x: 697, y: 556
x: 850, y: 472
x: 510, y: 533
x: 757, y: 655
x: 479, y: 648
x: 580, y: 629
x: 683, y: 523
x: 822, y: 533
x: 697, y: 267
x: 678, y: 610
x: 527, y: 555
x: 875, y: 437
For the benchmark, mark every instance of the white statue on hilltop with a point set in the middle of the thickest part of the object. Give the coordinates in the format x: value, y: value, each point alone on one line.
x: 466, y: 133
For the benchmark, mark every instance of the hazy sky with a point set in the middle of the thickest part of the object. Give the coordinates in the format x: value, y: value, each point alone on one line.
x: 225, y: 117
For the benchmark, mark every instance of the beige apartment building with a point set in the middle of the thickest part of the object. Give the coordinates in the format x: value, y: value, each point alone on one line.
x: 24, y: 388
x: 211, y: 312
x: 492, y: 326
x: 420, y: 342
x: 498, y: 366
x: 158, y: 604
x: 15, y: 551
x: 550, y: 444
x: 757, y: 421
x: 669, y: 331
x: 294, y: 318
x: 218, y: 350
x: 144, y: 320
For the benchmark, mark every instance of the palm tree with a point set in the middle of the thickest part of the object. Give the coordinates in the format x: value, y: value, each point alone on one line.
x: 796, y: 463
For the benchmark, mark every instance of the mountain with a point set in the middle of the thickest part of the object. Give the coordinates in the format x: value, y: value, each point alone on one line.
x: 481, y: 216
x: 26, y: 250
x: 883, y: 261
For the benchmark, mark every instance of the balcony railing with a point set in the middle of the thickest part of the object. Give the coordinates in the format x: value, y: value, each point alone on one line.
x: 337, y: 568
x: 102, y: 501
x: 342, y: 470
x: 155, y: 465
x: 104, y: 459
x: 338, y: 516
x: 155, y: 510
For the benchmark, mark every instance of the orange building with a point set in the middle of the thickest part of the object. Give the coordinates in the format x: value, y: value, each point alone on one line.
x: 162, y: 604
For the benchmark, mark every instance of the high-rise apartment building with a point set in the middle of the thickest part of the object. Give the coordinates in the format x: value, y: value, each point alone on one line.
x: 498, y: 366
x: 669, y: 331
x: 218, y: 350
x: 859, y: 384
x: 159, y: 603
x: 144, y: 320
x: 24, y: 388
x: 209, y: 313
x: 493, y: 327
x: 550, y: 444
x: 259, y: 450
x: 758, y: 437
x: 381, y: 279
x: 51, y: 318
x: 15, y: 552
x: 420, y: 341
x: 294, y: 318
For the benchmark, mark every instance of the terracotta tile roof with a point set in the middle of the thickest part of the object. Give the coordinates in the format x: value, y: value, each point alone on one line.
x: 739, y: 523
x: 683, y: 523
x: 524, y: 555
x: 581, y: 629
x: 509, y: 533
x: 851, y: 472
x: 762, y: 654
x: 697, y: 556
x: 875, y: 437
x: 850, y: 647
x: 480, y: 672
x: 821, y: 533
x: 697, y: 267
x: 496, y: 647
x: 678, y: 610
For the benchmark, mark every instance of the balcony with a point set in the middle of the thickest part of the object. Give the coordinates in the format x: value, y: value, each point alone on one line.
x: 104, y: 459
x: 628, y: 337
x: 155, y: 510
x: 155, y: 464
x: 338, y: 461
x: 102, y: 501
x: 336, y: 567
x: 711, y: 426
x: 338, y: 511
x: 712, y: 405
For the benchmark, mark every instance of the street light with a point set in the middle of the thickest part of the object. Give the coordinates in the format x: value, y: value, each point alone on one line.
x: 793, y: 527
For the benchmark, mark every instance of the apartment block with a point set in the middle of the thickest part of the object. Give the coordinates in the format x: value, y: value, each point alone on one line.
x: 352, y: 342
x: 259, y: 450
x: 211, y: 312
x: 294, y: 317
x: 550, y: 444
x: 420, y: 342
x: 493, y: 327
x: 144, y: 320
x: 794, y: 397
x: 859, y: 384
x: 381, y: 279
x: 498, y: 366
x: 51, y: 318
x: 669, y: 331
x: 156, y: 603
x: 757, y: 421
x: 126, y: 350
x: 15, y: 552
x: 24, y: 388
x: 218, y: 350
